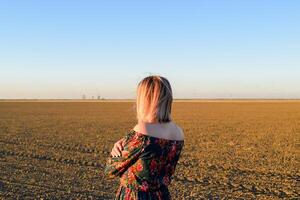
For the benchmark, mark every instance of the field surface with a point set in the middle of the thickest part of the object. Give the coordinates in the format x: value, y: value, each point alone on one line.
x: 233, y: 149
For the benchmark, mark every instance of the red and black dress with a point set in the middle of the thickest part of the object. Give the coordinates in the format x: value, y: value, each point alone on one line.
x: 145, y: 167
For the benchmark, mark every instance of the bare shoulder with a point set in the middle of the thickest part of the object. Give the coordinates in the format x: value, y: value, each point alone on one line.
x: 169, y: 131
x: 140, y: 127
x: 179, y: 132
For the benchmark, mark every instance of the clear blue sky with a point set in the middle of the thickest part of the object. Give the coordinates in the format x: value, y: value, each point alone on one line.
x: 207, y: 49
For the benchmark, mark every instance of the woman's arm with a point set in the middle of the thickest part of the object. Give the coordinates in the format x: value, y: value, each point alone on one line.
x: 116, y: 166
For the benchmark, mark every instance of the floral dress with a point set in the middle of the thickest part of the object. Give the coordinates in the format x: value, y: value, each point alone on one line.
x: 145, y: 167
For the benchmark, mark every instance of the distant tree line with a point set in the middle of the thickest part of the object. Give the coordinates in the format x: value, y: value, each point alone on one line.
x: 92, y: 97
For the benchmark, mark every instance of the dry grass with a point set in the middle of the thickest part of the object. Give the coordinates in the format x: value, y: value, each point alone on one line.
x: 233, y: 149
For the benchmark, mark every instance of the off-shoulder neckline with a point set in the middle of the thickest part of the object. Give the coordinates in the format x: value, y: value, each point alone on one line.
x: 150, y: 136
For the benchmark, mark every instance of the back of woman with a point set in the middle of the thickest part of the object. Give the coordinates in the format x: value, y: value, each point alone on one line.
x: 149, y: 152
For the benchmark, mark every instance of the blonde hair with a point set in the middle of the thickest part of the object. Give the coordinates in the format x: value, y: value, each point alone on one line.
x: 154, y: 100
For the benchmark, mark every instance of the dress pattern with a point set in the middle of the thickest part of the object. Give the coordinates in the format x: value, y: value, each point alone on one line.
x: 146, y: 166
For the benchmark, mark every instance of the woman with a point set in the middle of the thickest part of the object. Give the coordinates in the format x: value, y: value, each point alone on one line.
x: 146, y: 157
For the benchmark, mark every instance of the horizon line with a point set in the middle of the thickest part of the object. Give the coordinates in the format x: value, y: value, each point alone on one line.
x: 131, y: 99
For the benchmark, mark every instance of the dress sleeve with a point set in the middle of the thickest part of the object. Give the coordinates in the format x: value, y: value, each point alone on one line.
x: 133, y: 148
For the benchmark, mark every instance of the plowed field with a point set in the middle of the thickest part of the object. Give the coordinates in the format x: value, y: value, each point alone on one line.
x: 233, y: 149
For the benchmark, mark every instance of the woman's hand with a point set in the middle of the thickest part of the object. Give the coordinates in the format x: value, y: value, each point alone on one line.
x: 117, y: 149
